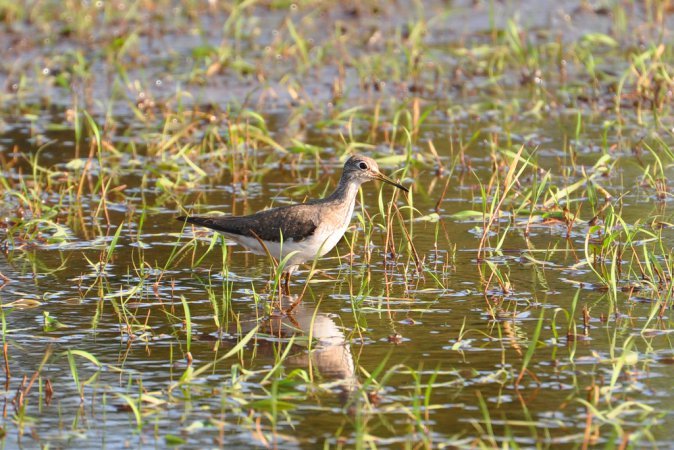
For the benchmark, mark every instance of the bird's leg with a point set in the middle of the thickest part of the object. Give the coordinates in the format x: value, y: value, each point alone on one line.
x: 285, y: 285
x: 293, y: 305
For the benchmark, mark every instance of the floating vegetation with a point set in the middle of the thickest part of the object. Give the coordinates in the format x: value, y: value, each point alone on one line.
x: 519, y: 296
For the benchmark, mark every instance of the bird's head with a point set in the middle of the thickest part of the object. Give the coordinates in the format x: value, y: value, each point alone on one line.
x: 361, y: 168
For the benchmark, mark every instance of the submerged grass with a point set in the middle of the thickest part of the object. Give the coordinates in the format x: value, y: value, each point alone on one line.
x: 530, y: 267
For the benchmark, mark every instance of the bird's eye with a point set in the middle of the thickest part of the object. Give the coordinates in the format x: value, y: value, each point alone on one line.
x: 363, y: 166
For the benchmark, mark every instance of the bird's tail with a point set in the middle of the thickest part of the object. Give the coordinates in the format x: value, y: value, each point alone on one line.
x: 214, y: 223
x: 192, y: 219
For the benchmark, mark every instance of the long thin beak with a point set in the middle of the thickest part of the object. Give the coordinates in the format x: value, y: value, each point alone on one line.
x: 385, y: 179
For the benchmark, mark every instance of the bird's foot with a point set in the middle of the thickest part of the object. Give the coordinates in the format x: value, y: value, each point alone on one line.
x: 284, y: 305
x: 291, y: 308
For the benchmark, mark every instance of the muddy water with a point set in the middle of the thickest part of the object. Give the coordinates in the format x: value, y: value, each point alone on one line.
x: 445, y: 347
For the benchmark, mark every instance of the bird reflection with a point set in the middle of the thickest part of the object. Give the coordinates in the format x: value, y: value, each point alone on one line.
x: 330, y: 353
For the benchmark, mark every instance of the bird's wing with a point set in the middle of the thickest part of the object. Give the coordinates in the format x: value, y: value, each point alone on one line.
x: 296, y: 222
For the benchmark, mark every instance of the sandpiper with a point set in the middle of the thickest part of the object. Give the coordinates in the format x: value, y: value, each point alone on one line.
x: 305, y: 230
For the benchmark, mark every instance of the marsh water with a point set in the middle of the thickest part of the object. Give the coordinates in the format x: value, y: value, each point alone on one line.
x: 520, y: 295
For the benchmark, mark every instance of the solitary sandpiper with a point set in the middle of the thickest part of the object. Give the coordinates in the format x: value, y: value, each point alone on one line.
x: 305, y: 230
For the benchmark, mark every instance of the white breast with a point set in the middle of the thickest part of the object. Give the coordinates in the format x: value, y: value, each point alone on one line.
x: 327, y: 237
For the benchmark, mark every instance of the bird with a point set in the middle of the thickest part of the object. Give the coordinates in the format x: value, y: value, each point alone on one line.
x: 302, y: 230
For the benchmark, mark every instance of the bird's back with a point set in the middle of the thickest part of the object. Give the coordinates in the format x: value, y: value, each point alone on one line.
x: 293, y: 222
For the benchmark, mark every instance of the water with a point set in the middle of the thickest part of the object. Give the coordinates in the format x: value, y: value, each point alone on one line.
x: 163, y: 336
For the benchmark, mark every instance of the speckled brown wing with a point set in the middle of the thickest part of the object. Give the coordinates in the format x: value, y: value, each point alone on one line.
x: 296, y: 222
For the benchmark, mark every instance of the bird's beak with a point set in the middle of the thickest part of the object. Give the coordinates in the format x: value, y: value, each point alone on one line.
x: 380, y: 176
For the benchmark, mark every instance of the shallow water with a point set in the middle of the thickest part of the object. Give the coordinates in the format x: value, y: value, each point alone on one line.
x: 173, y: 338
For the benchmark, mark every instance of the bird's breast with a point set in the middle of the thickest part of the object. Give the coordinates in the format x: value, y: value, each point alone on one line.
x: 331, y: 231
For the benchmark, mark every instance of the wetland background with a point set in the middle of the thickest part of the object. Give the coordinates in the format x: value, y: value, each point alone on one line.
x: 519, y: 296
